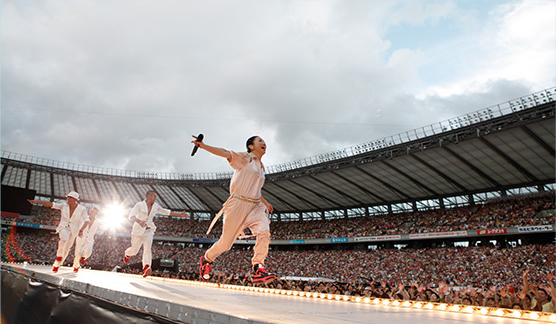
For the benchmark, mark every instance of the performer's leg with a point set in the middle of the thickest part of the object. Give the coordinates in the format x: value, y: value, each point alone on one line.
x: 60, y: 253
x: 259, y: 224
x: 88, y: 249
x: 64, y: 235
x: 261, y: 248
x: 234, y: 219
x: 79, y: 247
x: 68, y: 246
x: 136, y: 242
x: 147, y: 247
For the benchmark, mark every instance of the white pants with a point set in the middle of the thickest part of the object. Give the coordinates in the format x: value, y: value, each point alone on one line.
x: 239, y: 215
x: 146, y: 240
x: 83, y: 249
x: 64, y: 245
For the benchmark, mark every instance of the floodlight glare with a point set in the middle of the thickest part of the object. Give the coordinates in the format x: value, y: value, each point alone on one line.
x: 113, y: 216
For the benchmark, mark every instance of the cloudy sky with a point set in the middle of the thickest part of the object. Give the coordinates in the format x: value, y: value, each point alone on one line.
x: 124, y: 84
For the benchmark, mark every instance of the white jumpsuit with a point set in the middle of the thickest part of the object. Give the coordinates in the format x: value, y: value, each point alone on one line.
x: 244, y: 208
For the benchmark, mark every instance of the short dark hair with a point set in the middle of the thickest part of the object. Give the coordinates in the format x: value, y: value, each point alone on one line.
x: 250, y: 141
x: 517, y: 304
x: 546, y: 293
x: 150, y: 192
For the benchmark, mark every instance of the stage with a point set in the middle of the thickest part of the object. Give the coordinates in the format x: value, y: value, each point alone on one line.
x: 179, y: 301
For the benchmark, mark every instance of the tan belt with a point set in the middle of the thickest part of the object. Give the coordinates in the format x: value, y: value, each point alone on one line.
x: 237, y: 196
x: 247, y: 199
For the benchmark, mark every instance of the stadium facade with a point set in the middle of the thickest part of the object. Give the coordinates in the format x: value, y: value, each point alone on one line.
x: 491, y: 153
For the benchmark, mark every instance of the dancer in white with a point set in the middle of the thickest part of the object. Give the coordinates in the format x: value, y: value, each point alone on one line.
x: 245, y: 207
x: 72, y: 224
x: 84, y: 244
x: 143, y: 229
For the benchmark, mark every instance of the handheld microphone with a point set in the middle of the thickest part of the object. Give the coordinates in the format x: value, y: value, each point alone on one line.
x: 195, y: 148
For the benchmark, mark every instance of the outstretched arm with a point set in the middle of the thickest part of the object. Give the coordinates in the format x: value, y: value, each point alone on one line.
x: 526, y: 286
x: 525, y: 282
x: 184, y: 214
x: 211, y: 149
x: 552, y: 289
x: 44, y: 203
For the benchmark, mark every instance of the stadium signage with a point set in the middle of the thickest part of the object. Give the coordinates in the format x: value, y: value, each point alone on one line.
x: 339, y: 240
x: 297, y: 241
x: 542, y: 228
x: 378, y: 238
x: 439, y: 234
x: 492, y: 231
x: 31, y: 225
x: 203, y: 240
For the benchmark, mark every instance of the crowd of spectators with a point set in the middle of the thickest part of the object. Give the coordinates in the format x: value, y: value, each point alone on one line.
x: 501, y: 276
x: 482, y: 275
x: 509, y: 212
x: 504, y: 212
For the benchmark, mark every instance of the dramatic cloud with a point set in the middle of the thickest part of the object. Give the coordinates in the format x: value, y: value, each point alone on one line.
x: 124, y: 84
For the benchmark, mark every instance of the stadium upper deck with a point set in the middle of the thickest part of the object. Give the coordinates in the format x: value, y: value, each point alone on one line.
x: 493, y: 150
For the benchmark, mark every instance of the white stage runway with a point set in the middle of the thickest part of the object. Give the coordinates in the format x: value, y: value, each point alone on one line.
x: 188, y: 302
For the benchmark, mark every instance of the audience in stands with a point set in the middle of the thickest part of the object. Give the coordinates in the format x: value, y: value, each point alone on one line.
x: 486, y: 275
x: 500, y: 213
x: 519, y: 277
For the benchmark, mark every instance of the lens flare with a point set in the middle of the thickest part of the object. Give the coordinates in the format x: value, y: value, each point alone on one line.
x: 113, y: 216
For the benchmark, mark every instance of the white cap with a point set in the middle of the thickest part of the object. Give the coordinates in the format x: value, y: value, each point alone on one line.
x: 73, y: 194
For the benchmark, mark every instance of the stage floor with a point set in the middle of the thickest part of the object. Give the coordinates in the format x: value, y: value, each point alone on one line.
x: 189, y: 302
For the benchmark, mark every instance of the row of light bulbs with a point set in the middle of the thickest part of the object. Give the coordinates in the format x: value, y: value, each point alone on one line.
x: 478, y: 310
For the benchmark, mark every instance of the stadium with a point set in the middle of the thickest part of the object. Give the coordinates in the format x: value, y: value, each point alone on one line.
x: 451, y: 213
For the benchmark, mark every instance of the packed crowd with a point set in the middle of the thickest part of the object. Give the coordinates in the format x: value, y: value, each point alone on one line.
x: 483, y: 276
x: 514, y: 211
x: 499, y: 276
x: 487, y: 275
x: 508, y: 212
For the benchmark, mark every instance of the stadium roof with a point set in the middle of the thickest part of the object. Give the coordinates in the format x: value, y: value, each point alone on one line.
x: 501, y: 147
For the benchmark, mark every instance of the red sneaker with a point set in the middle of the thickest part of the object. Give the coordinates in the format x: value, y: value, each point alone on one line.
x: 55, y: 269
x: 261, y: 275
x: 205, y: 269
x: 82, y: 261
x: 147, y: 271
x: 75, y: 270
x: 126, y: 259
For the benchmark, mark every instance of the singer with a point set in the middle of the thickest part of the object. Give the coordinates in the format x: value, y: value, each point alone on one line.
x: 245, y: 208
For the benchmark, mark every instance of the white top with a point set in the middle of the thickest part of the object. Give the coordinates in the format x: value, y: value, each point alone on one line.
x: 76, y: 221
x: 141, y: 211
x: 248, y: 178
x: 90, y: 231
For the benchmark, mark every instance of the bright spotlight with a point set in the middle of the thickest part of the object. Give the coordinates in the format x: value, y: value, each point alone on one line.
x: 113, y: 216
